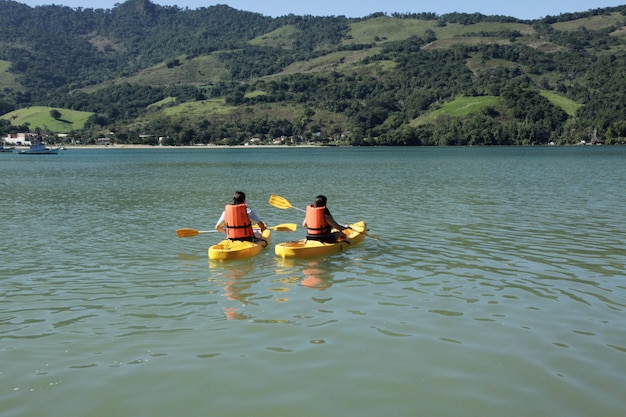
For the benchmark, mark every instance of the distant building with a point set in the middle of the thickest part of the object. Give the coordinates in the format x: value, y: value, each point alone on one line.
x: 20, y: 139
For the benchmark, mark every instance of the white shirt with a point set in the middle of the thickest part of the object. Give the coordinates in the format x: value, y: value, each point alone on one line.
x: 251, y: 214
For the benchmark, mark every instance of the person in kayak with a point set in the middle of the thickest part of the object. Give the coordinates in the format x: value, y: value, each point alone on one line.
x: 237, y: 219
x: 319, y: 223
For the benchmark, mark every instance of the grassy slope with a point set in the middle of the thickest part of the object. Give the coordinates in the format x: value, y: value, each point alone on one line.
x: 569, y: 106
x: 199, y: 108
x: 590, y: 23
x: 335, y: 61
x: 282, y: 37
x: 464, y: 106
x: 459, y: 107
x: 39, y: 117
x: 386, y: 29
x: 218, y: 111
x: 198, y: 71
x: 201, y: 70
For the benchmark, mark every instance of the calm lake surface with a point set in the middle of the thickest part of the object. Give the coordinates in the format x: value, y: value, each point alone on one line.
x: 497, y: 287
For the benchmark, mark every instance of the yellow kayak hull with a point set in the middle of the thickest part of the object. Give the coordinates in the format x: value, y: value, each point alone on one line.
x: 304, y: 248
x: 228, y: 250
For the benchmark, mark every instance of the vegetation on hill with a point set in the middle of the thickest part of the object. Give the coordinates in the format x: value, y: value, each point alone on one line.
x: 141, y: 71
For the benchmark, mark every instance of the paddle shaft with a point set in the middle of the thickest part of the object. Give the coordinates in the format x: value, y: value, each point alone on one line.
x: 286, y: 227
x: 365, y: 233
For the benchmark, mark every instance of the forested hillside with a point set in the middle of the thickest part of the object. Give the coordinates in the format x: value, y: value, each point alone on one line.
x: 219, y: 75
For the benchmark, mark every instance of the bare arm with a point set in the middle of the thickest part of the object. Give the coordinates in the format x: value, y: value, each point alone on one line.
x: 333, y: 223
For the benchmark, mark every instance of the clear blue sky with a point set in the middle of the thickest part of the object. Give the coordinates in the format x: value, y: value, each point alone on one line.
x: 522, y: 9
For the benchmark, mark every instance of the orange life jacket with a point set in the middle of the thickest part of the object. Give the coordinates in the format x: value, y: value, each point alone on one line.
x: 316, y: 223
x: 238, y: 225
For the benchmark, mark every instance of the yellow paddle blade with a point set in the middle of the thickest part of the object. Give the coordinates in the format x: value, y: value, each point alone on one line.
x: 282, y: 203
x: 279, y: 202
x: 364, y: 231
x: 187, y: 232
x: 286, y: 227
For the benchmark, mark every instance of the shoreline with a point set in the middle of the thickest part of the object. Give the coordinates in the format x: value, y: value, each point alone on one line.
x: 131, y: 146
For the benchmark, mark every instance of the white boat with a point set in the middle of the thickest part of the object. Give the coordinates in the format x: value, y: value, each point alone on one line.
x: 38, y: 148
x: 4, y: 149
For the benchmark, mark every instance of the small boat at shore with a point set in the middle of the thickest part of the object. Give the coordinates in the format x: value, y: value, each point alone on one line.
x: 9, y: 149
x: 228, y: 249
x: 37, y: 147
x: 305, y: 248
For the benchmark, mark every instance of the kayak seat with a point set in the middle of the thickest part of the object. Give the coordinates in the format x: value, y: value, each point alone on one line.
x: 332, y: 238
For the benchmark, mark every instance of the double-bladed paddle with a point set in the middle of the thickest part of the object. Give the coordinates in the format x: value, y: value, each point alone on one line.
x: 187, y: 232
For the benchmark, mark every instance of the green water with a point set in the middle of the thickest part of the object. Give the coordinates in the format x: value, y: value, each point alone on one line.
x: 497, y: 287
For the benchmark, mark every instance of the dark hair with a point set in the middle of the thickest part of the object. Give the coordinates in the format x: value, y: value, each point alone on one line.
x: 239, y: 197
x: 320, y: 201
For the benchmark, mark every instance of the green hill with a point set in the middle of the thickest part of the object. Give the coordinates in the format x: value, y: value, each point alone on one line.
x: 221, y: 75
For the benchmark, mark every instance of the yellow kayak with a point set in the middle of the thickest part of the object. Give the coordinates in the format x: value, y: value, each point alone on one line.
x: 228, y: 249
x: 304, y: 248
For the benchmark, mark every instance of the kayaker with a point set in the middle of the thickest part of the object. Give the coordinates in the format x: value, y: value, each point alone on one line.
x: 319, y: 223
x: 237, y: 219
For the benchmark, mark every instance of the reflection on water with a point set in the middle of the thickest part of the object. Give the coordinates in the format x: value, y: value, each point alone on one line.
x: 236, y: 281
x: 241, y: 283
x: 315, y: 276
x: 315, y: 273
